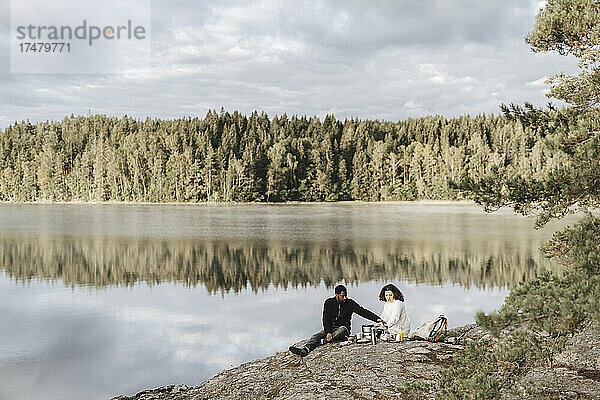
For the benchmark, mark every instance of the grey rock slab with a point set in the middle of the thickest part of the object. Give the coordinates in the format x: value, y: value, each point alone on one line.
x: 418, y: 350
x: 357, y: 371
x: 576, y: 374
x: 365, y: 371
x: 583, y: 349
x: 561, y: 381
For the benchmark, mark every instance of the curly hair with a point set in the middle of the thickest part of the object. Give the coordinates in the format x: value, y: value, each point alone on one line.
x: 392, y: 288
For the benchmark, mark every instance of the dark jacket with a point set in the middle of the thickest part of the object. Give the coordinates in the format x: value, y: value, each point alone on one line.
x: 336, y: 314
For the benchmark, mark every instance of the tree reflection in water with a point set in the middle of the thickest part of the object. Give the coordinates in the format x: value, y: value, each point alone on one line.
x: 234, y: 265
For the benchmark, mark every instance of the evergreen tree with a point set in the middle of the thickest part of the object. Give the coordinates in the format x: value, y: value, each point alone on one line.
x: 539, y: 315
x: 228, y: 157
x: 573, y: 134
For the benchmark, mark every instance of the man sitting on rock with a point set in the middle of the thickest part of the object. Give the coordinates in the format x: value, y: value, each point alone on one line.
x: 337, y: 312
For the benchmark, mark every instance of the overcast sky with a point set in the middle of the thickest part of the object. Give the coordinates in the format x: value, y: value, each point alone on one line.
x: 369, y: 59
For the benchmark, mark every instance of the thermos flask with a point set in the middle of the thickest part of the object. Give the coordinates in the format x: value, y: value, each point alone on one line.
x: 373, y: 335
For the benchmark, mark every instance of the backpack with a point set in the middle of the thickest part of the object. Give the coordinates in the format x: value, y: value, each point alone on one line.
x: 440, y: 327
x: 431, y: 330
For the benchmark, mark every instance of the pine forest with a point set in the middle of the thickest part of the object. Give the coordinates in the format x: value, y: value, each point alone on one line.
x: 231, y: 157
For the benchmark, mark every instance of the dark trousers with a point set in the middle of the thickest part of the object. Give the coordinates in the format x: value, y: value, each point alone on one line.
x: 337, y: 334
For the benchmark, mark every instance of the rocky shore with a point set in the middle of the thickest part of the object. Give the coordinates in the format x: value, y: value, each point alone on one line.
x: 383, y: 371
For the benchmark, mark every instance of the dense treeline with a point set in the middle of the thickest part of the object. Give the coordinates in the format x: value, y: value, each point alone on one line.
x: 232, y: 157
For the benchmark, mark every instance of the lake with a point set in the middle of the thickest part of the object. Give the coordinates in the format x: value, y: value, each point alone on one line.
x: 103, y: 300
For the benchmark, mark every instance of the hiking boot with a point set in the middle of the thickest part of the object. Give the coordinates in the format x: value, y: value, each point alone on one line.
x: 301, y: 351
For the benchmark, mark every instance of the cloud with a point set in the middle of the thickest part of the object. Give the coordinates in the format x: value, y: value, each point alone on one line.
x: 350, y: 58
x: 538, y: 82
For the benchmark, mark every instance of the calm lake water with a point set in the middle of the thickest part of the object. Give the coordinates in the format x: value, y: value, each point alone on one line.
x: 102, y: 300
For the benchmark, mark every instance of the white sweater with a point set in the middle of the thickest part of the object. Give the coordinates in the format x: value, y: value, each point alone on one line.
x: 395, y: 316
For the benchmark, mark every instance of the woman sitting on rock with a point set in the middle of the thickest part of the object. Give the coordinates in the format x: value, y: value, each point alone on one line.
x: 394, y: 313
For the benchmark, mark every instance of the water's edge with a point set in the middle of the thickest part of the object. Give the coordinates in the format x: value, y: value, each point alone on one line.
x: 384, y: 371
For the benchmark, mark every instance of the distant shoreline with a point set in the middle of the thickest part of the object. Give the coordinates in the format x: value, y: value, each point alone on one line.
x: 214, y: 203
